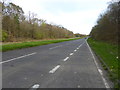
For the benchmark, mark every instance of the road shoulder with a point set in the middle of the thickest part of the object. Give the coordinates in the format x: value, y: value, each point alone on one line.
x: 105, y: 72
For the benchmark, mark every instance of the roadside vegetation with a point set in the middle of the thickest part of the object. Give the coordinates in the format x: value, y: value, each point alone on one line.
x: 109, y: 54
x: 108, y: 24
x: 29, y: 29
x: 104, y: 40
x: 16, y: 26
x: 13, y: 46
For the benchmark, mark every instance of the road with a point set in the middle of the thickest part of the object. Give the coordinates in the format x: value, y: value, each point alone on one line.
x: 68, y: 64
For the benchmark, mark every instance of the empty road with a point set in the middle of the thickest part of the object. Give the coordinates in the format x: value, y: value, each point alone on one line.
x: 68, y: 64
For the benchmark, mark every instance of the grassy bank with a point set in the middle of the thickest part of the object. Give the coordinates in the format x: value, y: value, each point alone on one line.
x: 13, y: 46
x: 109, y: 55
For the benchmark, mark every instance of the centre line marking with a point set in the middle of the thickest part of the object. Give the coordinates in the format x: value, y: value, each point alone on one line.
x: 80, y: 46
x: 71, y: 54
x: 75, y: 50
x: 66, y: 59
x: 34, y: 87
x: 17, y: 58
x: 78, y: 86
x: 54, y: 69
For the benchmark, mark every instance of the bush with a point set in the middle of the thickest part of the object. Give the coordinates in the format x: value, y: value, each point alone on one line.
x: 4, y: 36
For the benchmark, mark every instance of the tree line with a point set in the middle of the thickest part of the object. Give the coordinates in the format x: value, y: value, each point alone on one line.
x: 79, y: 35
x: 16, y: 26
x: 108, y: 24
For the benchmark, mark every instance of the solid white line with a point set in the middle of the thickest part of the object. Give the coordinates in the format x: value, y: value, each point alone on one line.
x: 71, y: 54
x: 66, y: 59
x: 99, y: 70
x: 17, y: 58
x: 35, y: 86
x: 54, y: 69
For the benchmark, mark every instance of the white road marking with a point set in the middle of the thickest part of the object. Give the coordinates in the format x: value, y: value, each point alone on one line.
x: 80, y: 45
x: 25, y: 78
x: 41, y: 75
x: 75, y: 72
x: 66, y: 59
x: 71, y: 54
x: 55, y: 47
x: 54, y: 69
x: 78, y: 86
x: 17, y: 58
x: 34, y: 87
x: 99, y: 70
x: 75, y: 50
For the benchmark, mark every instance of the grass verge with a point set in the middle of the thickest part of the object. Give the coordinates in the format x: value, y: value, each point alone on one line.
x: 13, y: 46
x: 109, y: 55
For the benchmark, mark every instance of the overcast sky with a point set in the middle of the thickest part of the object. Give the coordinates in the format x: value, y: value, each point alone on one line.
x: 78, y: 16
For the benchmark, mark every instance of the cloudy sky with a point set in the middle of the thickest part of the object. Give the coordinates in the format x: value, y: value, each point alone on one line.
x: 78, y: 16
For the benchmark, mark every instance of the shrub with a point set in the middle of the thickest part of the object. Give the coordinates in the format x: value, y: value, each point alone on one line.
x: 4, y: 36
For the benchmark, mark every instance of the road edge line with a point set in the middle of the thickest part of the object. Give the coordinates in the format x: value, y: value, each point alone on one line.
x: 99, y: 70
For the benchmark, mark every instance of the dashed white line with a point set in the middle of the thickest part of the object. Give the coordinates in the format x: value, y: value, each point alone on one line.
x: 54, y: 69
x: 78, y: 86
x: 99, y: 70
x: 80, y: 46
x: 35, y: 87
x: 71, y: 54
x: 17, y: 58
x: 75, y: 50
x: 66, y: 59
x: 55, y: 47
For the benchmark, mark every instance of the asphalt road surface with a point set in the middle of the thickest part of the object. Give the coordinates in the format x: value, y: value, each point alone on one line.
x: 68, y: 64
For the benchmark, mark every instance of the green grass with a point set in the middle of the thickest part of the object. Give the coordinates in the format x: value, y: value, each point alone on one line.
x: 13, y: 46
x: 109, y: 54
